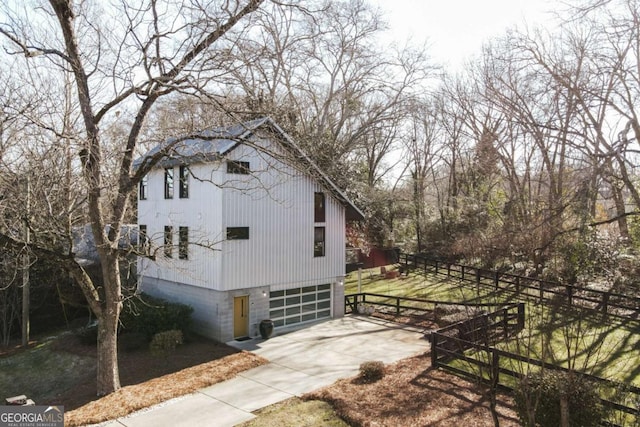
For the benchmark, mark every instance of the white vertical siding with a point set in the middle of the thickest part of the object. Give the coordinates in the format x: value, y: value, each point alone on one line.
x: 275, y: 202
x: 201, y: 212
x: 280, y: 215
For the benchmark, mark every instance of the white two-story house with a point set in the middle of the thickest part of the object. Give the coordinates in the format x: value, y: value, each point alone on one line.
x: 242, y: 226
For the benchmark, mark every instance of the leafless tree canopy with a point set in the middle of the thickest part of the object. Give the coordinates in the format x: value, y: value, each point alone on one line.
x: 529, y: 152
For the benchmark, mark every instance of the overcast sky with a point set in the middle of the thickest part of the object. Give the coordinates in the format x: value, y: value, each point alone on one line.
x: 456, y: 29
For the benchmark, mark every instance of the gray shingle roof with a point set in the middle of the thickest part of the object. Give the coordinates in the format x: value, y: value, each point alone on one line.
x: 211, y: 144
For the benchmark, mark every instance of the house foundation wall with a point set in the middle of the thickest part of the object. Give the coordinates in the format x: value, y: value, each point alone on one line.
x: 212, y: 310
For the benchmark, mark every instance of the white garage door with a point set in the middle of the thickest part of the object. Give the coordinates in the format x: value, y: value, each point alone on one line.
x: 300, y: 305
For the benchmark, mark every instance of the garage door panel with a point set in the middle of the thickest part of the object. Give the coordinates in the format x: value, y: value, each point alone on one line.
x: 304, y: 304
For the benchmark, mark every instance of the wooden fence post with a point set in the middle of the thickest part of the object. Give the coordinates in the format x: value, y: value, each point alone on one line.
x: 462, y: 268
x: 569, y: 295
x: 521, y: 315
x: 541, y: 286
x: 496, y: 279
x: 518, y: 286
x: 495, y: 368
x: 434, y: 350
x: 605, y: 303
x: 397, y: 306
x: 505, y: 322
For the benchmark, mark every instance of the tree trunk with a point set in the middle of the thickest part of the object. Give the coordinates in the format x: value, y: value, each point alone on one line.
x: 618, y: 198
x: 108, y: 375
x: 564, y: 411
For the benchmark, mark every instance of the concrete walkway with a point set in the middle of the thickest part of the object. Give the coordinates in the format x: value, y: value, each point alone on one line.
x: 300, y: 361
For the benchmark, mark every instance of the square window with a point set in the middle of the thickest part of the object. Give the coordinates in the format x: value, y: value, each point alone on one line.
x: 237, y: 233
x: 238, y: 167
x: 318, y: 241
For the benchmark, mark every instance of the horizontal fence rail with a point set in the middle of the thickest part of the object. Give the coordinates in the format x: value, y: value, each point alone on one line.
x: 605, y: 302
x: 400, y: 304
x: 494, y: 366
x: 477, y: 335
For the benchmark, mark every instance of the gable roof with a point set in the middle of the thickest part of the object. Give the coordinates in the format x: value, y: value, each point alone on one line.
x: 216, y: 143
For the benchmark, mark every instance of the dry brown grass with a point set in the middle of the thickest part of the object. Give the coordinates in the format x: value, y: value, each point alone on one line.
x: 413, y: 394
x: 135, y: 397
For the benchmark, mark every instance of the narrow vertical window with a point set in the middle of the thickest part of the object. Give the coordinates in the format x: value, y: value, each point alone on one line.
x: 144, y: 188
x: 318, y: 207
x: 168, y: 241
x: 184, y: 182
x: 143, y: 239
x: 318, y: 241
x: 183, y: 243
x: 168, y: 183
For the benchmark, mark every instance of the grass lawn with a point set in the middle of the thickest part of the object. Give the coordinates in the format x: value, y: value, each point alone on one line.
x: 42, y: 373
x: 606, y: 347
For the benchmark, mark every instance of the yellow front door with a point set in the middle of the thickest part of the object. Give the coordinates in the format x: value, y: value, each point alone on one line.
x: 240, y: 316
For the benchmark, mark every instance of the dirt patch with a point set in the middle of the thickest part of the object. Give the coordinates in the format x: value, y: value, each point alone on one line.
x: 413, y: 394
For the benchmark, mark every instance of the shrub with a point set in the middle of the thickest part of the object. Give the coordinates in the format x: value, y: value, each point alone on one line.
x: 148, y: 316
x: 165, y: 341
x: 371, y: 371
x: 540, y: 394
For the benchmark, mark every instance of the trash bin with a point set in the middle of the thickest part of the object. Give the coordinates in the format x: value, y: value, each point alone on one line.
x: 266, y: 328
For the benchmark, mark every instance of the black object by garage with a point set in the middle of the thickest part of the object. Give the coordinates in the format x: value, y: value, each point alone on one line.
x: 266, y: 328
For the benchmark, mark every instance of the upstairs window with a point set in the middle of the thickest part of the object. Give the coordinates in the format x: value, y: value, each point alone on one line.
x: 144, y: 188
x: 143, y: 239
x: 318, y: 207
x: 234, y: 166
x: 183, y: 243
x: 168, y: 241
x: 168, y: 183
x: 184, y: 182
x: 318, y: 241
x: 237, y: 233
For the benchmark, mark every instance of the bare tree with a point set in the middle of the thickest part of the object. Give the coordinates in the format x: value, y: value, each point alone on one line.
x: 121, y: 59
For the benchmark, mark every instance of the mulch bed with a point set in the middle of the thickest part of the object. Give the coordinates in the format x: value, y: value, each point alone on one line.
x: 413, y: 394
x: 137, y: 366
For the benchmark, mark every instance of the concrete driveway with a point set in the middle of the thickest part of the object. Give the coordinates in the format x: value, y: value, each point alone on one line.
x: 300, y: 361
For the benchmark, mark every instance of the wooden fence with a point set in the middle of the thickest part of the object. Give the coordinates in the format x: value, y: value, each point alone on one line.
x: 605, y: 302
x: 399, y: 304
x: 496, y: 367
